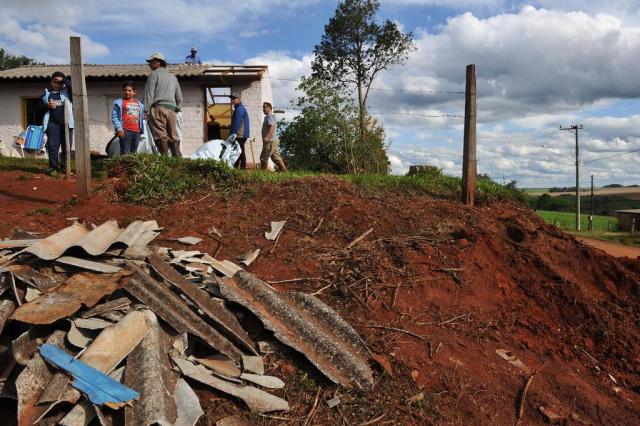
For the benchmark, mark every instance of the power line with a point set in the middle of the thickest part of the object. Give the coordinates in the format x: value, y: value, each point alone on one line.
x: 613, y: 156
x: 380, y: 89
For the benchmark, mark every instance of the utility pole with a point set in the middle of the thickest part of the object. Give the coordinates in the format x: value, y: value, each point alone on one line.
x: 575, y: 129
x: 469, y: 149
x: 591, y: 215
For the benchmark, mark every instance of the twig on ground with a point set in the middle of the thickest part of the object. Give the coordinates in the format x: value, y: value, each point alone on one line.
x: 373, y: 421
x: 523, y: 396
x: 448, y: 270
x: 299, y: 230
x: 314, y: 409
x: 315, y: 293
x: 395, y: 294
x: 294, y: 280
x: 587, y: 354
x: 360, y: 238
x: 275, y: 243
x: 198, y: 200
x: 318, y: 226
x: 452, y: 319
x: 344, y: 419
x: 397, y: 330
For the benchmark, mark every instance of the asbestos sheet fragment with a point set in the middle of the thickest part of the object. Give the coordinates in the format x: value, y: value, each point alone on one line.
x: 31, y: 294
x: 276, y: 228
x: 6, y: 309
x: 80, y: 415
x: 175, y: 311
x: 306, y: 324
x: 10, y: 244
x: 202, y: 300
x: 248, y: 257
x: 112, y: 305
x: 226, y: 268
x: 513, y: 360
x: 253, y: 364
x: 190, y: 241
x: 32, y: 381
x: 28, y: 275
x: 77, y: 338
x: 25, y: 345
x: 54, y: 245
x: 257, y: 400
x: 100, y: 388
x: 66, y: 299
x: 88, y: 265
x: 221, y: 365
x: 270, y: 382
x: 149, y: 372
x: 91, y: 323
x: 188, y: 405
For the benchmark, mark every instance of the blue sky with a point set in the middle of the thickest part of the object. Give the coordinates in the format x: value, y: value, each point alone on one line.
x: 540, y: 64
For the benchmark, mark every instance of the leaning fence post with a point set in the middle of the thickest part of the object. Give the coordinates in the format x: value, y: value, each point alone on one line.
x: 81, y: 118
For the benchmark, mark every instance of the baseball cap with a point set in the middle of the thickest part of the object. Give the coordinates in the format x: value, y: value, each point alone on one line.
x: 158, y: 56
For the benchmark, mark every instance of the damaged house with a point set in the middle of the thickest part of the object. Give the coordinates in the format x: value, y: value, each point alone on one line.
x: 206, y: 107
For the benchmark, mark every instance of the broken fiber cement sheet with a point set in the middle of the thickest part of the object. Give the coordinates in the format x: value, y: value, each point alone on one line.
x: 93, y: 242
x: 66, y: 299
x: 100, y: 388
x: 276, y: 228
x: 306, y: 324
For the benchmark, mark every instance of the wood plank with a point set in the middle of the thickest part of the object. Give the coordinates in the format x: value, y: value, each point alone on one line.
x: 81, y: 118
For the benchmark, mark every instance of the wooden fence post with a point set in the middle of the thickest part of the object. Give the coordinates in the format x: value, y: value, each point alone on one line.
x: 469, y: 151
x: 81, y: 118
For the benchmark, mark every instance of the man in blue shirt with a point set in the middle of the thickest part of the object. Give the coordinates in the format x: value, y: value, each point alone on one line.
x: 193, y: 58
x: 240, y: 126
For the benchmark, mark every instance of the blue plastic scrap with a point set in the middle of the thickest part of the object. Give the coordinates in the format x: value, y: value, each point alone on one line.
x: 100, y: 388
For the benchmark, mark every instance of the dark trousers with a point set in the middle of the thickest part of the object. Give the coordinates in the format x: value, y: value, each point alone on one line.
x: 55, y: 143
x: 129, y: 144
x: 242, y: 160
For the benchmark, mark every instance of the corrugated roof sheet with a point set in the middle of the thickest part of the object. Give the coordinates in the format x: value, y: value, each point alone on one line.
x: 128, y: 70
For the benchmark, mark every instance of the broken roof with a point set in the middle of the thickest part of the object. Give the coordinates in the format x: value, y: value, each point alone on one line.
x: 34, y: 72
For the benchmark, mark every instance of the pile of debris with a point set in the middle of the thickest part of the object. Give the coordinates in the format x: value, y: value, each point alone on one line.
x: 96, y: 320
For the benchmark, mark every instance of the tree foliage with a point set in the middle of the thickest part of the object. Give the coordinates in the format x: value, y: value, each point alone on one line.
x: 325, y: 136
x: 355, y: 48
x: 8, y: 61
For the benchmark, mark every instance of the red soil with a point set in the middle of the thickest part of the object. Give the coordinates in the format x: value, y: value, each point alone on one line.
x: 464, y: 281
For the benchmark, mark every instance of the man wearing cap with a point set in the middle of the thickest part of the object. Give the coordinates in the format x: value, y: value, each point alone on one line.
x: 193, y: 58
x: 162, y: 99
x: 240, y: 126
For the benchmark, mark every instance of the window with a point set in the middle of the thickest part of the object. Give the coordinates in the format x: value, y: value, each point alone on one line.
x: 30, y: 115
x: 218, y: 112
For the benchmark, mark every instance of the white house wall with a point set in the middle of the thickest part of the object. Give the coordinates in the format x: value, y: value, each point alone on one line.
x: 101, y: 95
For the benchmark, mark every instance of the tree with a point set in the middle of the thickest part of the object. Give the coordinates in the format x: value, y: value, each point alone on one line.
x: 355, y: 48
x: 7, y: 60
x: 325, y: 136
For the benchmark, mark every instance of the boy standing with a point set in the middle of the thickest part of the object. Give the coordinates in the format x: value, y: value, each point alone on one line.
x: 56, y: 102
x: 127, y: 118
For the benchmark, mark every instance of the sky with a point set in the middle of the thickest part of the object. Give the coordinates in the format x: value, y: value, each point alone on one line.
x: 539, y: 65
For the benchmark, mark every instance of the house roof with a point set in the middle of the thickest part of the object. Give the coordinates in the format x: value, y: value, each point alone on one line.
x: 34, y: 72
x: 632, y: 211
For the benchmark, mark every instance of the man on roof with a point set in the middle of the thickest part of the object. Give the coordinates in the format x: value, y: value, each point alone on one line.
x: 193, y: 58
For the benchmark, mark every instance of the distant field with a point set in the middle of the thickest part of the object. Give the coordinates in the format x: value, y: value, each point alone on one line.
x: 567, y: 220
x: 632, y: 193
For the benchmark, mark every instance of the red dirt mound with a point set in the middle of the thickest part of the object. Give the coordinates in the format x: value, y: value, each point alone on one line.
x: 436, y: 289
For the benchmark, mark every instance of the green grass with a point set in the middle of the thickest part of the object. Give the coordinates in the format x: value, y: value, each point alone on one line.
x: 604, y: 227
x: 152, y: 178
x: 28, y: 165
x: 567, y: 220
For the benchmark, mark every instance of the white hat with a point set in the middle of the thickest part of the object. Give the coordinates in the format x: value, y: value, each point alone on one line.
x: 159, y: 56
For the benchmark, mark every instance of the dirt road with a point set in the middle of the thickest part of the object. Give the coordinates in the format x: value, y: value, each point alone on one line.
x: 616, y: 250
